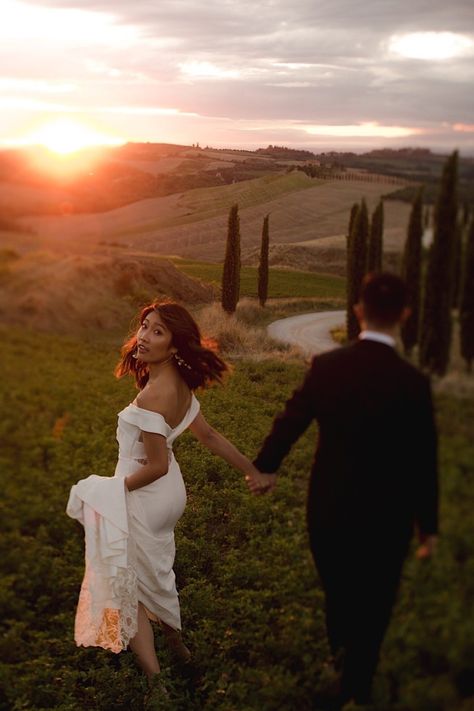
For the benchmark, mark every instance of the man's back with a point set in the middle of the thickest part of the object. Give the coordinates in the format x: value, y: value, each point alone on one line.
x: 375, y: 427
x: 375, y: 432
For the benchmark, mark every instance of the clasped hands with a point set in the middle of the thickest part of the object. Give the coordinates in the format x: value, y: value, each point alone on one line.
x: 259, y: 483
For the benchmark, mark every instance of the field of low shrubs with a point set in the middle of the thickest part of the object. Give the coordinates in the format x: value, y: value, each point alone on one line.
x: 282, y: 283
x: 251, y: 604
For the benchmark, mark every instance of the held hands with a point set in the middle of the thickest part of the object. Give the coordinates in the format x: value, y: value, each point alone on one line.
x: 259, y: 483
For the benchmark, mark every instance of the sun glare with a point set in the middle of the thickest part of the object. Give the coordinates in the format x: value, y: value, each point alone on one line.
x: 64, y: 136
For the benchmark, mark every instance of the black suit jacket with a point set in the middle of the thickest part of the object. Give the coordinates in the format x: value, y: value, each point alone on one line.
x: 376, y: 459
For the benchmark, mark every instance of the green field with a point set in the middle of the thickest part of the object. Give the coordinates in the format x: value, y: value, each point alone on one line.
x: 251, y: 605
x: 283, y: 283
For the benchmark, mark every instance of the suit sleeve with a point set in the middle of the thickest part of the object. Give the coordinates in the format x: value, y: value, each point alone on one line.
x: 426, y: 494
x: 288, y: 426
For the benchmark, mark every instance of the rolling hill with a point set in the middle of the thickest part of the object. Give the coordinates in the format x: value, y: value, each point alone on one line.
x: 193, y: 224
x: 83, y: 293
x: 174, y: 200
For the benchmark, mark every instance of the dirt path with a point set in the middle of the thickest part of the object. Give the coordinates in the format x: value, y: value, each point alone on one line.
x: 311, y: 332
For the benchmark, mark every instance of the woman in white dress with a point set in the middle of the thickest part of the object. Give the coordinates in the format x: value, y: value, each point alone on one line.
x: 129, y: 519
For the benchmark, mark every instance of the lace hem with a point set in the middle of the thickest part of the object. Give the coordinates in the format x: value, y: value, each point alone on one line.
x: 108, y: 621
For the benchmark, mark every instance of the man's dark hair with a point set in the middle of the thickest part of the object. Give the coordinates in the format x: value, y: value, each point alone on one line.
x: 384, y: 298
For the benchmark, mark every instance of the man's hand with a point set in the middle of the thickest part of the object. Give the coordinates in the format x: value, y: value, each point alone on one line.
x: 259, y: 483
x: 427, y: 547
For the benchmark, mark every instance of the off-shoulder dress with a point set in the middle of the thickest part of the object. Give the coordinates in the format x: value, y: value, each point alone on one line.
x: 129, y: 537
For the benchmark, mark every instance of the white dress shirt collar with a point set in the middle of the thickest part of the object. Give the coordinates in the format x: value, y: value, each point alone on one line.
x: 376, y: 336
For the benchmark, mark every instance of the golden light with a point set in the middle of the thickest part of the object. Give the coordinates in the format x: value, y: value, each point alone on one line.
x: 64, y: 136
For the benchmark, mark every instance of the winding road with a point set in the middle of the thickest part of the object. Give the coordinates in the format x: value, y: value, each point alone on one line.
x: 311, y: 332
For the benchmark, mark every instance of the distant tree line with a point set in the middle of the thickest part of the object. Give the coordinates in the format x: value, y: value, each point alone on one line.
x: 284, y: 153
x: 328, y: 171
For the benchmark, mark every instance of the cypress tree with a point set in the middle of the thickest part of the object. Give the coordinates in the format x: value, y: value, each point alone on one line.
x: 374, y: 258
x: 356, y: 265
x: 427, y: 217
x: 263, y: 264
x: 466, y: 310
x: 435, y: 337
x: 231, y: 271
x: 354, y: 211
x: 457, y: 265
x: 351, y: 321
x: 411, y: 272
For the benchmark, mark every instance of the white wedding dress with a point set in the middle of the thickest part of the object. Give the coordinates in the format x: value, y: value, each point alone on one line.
x: 129, y: 537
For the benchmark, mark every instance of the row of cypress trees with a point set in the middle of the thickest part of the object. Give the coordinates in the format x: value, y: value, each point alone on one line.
x: 232, y: 263
x: 436, y: 285
x: 448, y: 281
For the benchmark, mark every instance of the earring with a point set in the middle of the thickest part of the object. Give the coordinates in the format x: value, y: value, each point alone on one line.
x: 181, y: 362
x: 134, y: 355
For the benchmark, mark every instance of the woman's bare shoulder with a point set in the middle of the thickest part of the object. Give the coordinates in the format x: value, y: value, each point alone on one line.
x: 156, y: 399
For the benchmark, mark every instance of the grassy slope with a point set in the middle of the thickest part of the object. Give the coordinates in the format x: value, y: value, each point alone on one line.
x: 282, y: 283
x: 251, y: 605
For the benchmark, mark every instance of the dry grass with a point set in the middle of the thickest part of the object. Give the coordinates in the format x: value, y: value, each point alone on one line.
x: 339, y: 334
x: 79, y: 293
x: 457, y: 382
x: 234, y: 335
x: 244, y: 334
x: 252, y: 314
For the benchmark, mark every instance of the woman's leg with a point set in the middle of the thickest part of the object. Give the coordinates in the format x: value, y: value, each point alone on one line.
x: 143, y: 644
x: 175, y: 642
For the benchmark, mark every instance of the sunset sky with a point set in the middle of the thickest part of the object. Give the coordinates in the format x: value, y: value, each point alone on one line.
x: 321, y: 74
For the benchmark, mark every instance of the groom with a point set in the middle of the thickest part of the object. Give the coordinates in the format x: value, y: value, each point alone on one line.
x: 373, y: 480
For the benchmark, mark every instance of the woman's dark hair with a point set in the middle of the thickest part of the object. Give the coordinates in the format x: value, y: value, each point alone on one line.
x: 196, y: 359
x: 384, y: 297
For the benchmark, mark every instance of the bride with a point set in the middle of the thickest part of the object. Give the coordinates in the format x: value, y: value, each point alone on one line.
x: 129, y: 519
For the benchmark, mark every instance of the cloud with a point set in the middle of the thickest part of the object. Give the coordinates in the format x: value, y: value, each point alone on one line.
x: 206, y: 70
x: 319, y: 63
x: 431, y: 45
x: 464, y: 128
x: 12, y: 84
x: 364, y: 130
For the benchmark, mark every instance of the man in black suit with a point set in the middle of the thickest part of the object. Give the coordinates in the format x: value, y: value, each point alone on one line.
x: 373, y: 479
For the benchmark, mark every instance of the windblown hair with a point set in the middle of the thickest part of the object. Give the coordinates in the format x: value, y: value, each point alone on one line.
x: 196, y: 359
x: 384, y: 297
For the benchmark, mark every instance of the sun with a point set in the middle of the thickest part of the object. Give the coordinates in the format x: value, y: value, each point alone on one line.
x: 64, y: 136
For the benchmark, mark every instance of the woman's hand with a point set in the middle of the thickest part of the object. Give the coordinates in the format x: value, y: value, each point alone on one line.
x: 259, y: 483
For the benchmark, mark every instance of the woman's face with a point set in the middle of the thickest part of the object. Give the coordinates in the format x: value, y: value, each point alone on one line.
x: 154, y: 340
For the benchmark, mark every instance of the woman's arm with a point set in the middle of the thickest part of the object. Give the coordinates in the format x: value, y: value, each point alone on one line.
x: 157, y: 462
x: 221, y: 446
